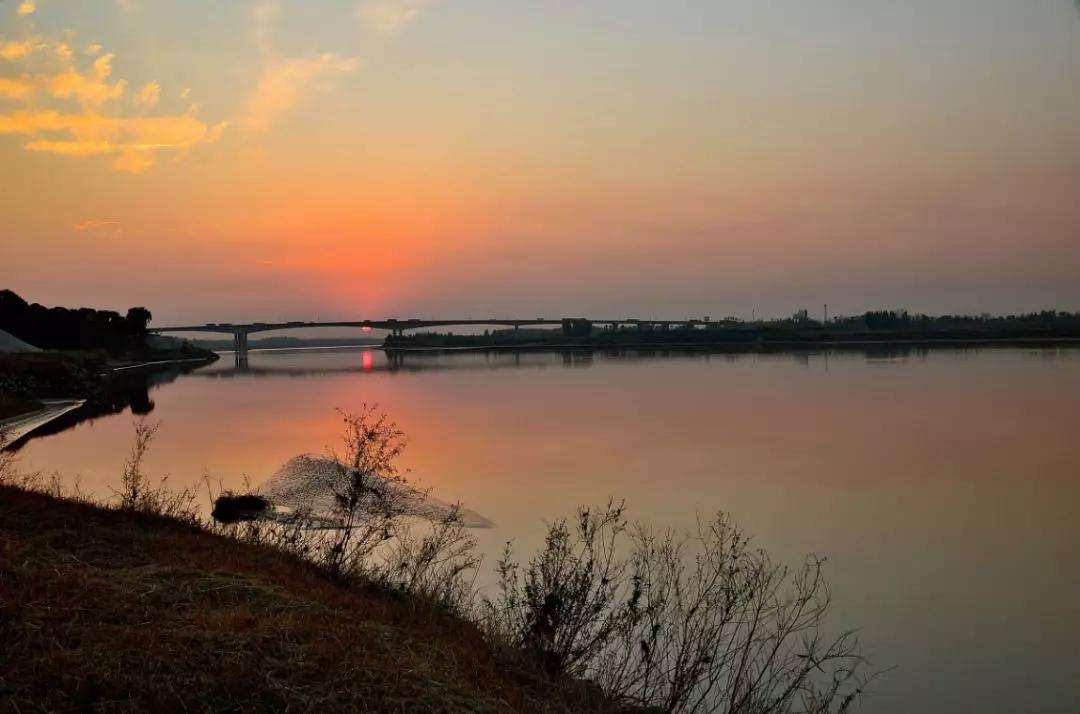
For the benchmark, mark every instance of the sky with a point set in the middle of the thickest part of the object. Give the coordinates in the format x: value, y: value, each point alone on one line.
x: 262, y: 160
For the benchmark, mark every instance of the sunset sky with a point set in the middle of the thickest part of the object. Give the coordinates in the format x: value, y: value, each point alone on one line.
x: 261, y: 160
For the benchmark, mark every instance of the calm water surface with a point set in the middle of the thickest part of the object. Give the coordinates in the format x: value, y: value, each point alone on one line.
x: 943, y: 487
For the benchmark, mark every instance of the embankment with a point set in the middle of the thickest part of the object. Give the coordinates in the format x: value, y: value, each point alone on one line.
x: 109, y: 610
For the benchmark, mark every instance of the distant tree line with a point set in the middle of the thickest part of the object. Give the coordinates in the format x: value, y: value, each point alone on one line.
x: 61, y: 328
x: 870, y: 326
x: 903, y: 320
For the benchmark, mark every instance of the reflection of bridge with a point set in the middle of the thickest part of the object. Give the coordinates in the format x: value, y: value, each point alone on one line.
x: 569, y: 325
x: 401, y: 363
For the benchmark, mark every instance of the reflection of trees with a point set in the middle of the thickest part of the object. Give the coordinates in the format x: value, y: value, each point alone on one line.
x: 123, y: 390
x: 415, y: 362
x: 138, y: 398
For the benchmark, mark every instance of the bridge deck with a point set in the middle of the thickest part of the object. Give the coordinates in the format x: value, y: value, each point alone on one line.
x: 415, y: 324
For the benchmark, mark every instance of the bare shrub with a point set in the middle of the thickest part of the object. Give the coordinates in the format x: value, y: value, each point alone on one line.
x: 10, y: 474
x: 564, y: 609
x: 134, y: 483
x: 371, y: 495
x: 678, y: 624
x: 439, y: 566
x: 140, y: 494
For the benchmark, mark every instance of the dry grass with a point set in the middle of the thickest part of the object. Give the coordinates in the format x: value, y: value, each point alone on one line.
x: 121, y: 611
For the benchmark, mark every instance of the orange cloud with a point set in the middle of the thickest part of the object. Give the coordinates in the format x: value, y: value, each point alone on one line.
x: 69, y: 82
x: 87, y: 89
x: 96, y: 224
x: 27, y: 7
x: 61, y: 86
x: 18, y: 49
x: 149, y: 94
x: 132, y: 141
x: 14, y: 88
x: 285, y: 82
x: 103, y: 66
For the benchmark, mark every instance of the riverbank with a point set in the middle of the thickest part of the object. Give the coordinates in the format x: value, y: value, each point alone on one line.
x: 159, y: 615
x: 80, y: 375
x: 85, y: 385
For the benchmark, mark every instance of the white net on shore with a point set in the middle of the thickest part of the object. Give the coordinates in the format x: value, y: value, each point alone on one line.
x: 318, y: 488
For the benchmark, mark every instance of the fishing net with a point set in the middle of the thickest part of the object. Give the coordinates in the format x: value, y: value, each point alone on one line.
x: 324, y: 492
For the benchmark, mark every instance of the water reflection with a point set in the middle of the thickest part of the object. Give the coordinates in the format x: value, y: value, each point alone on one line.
x: 314, y: 361
x: 126, y: 391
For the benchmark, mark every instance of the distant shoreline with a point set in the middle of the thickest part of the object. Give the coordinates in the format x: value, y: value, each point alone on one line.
x: 742, y: 346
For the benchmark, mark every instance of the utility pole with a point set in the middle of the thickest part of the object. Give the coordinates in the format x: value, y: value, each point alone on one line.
x: 826, y: 312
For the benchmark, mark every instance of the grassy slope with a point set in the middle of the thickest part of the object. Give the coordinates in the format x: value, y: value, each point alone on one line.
x: 103, y: 609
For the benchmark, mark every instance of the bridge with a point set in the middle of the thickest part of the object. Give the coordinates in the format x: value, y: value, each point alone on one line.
x: 570, y: 325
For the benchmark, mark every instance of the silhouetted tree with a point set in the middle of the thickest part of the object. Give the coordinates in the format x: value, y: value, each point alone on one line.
x: 72, y: 329
x: 137, y: 319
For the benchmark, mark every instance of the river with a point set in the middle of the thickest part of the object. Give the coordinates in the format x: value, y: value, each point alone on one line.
x: 943, y: 486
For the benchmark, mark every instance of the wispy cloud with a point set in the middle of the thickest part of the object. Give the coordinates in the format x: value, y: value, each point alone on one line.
x: 107, y: 226
x: 389, y: 16
x: 263, y: 14
x: 286, y: 82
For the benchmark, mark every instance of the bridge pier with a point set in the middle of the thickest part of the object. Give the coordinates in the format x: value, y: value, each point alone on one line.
x: 240, y: 342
